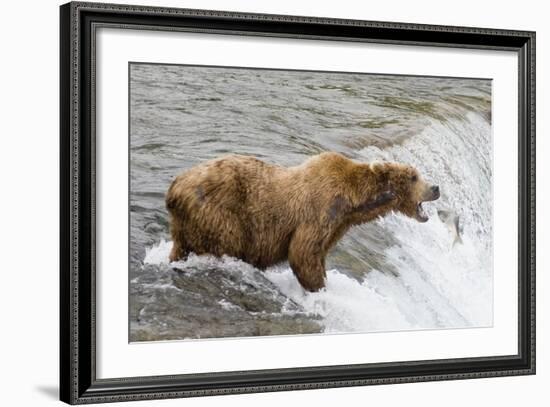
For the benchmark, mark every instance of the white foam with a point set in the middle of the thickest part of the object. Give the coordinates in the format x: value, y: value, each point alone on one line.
x: 226, y: 305
x: 158, y: 254
x: 345, y: 305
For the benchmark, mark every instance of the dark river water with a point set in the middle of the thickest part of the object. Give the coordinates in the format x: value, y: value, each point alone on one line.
x: 391, y: 274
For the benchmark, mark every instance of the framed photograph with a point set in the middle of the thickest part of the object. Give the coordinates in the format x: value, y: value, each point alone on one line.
x: 255, y: 203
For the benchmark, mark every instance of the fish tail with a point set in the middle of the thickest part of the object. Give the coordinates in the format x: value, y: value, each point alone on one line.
x: 458, y: 239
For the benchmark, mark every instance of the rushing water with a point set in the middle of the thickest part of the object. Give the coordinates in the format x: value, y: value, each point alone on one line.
x: 390, y: 274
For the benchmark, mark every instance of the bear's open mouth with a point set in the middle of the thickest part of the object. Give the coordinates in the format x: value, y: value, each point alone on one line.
x: 421, y: 215
x: 434, y: 194
x: 431, y: 194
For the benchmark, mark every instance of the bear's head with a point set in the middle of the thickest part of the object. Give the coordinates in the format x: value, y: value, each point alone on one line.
x: 406, y: 188
x: 360, y: 192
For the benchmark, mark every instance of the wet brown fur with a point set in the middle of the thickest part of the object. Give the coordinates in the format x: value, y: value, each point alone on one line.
x: 265, y: 214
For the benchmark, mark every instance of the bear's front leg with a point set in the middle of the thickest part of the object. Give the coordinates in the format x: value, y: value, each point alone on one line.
x: 307, y: 259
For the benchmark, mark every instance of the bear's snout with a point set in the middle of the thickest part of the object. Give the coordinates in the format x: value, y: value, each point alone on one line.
x: 435, y: 192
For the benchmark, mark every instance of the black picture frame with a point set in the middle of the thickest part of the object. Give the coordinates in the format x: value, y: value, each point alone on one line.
x: 78, y: 382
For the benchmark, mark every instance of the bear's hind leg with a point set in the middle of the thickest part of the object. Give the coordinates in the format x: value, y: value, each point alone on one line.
x: 178, y: 252
x: 180, y: 248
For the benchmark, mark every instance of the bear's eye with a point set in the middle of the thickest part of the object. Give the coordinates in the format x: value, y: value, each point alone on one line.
x: 414, y: 178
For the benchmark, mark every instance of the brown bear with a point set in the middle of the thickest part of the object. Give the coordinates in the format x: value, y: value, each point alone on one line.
x: 265, y: 214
